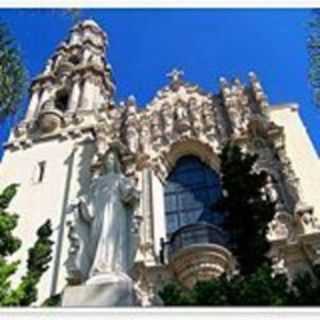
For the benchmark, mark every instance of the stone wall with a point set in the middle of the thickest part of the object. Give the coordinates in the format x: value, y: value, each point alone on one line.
x: 66, y: 175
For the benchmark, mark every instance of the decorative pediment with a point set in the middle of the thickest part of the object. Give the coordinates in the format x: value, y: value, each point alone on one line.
x: 178, y: 91
x: 182, y: 112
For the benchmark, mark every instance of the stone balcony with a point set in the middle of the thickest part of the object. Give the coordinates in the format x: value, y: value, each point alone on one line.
x: 198, y: 252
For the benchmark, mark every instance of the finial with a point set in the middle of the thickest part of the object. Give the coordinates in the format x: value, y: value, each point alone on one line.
x: 256, y: 85
x: 109, y: 67
x: 90, y: 23
x: 237, y: 81
x: 175, y: 75
x: 62, y: 45
x: 223, y: 81
x: 132, y: 100
x: 48, y: 67
x: 252, y: 76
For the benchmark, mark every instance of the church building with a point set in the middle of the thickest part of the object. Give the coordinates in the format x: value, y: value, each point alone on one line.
x: 129, y: 188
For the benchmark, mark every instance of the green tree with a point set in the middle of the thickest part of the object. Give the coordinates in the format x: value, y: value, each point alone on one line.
x: 306, y: 289
x: 53, y: 301
x: 39, y: 256
x: 247, y: 210
x: 260, y: 288
x: 13, y: 75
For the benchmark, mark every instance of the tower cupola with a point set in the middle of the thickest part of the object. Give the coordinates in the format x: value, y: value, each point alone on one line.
x: 76, y: 83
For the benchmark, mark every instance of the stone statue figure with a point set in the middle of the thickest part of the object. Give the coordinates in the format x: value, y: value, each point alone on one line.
x: 181, y: 111
x: 144, y: 136
x: 168, y: 120
x: 273, y: 193
x: 49, y: 67
x: 106, y: 216
x: 132, y: 138
x: 309, y: 222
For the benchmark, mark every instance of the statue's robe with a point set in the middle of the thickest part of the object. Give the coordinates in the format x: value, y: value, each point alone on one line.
x: 109, y: 201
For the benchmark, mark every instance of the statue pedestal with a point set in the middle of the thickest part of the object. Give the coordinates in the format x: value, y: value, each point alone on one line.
x: 103, y: 290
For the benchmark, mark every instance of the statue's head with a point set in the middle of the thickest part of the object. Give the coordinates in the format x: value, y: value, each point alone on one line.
x: 111, y: 161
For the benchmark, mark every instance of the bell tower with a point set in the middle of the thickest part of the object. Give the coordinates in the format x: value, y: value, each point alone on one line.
x: 75, y: 85
x: 49, y: 154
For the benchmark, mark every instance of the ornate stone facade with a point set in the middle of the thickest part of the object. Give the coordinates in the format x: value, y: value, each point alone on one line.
x: 72, y: 105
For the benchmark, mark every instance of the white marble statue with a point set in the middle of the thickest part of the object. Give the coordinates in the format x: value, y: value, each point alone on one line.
x: 107, y: 209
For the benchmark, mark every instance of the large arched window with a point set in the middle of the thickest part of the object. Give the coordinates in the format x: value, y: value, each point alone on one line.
x: 191, y: 190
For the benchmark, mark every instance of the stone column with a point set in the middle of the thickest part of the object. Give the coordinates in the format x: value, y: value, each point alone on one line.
x: 56, y: 61
x: 74, y: 99
x: 88, y: 93
x: 45, y: 95
x: 147, y: 213
x: 33, y: 105
x: 158, y: 211
x: 86, y: 55
x: 75, y: 38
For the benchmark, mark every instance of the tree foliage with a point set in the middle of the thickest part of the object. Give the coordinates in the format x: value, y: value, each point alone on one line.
x: 257, y: 289
x: 261, y: 288
x: 53, y: 301
x: 13, y: 75
x: 247, y: 211
x: 39, y: 256
x: 247, y: 215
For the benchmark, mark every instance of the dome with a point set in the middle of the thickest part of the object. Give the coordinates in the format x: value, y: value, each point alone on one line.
x: 90, y: 23
x: 85, y: 24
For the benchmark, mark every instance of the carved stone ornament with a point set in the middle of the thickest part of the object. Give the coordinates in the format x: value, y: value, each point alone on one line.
x: 279, y: 265
x: 78, y: 223
x: 309, y: 222
x: 281, y: 227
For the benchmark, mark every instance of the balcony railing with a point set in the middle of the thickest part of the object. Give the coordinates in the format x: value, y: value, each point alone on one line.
x: 194, y: 234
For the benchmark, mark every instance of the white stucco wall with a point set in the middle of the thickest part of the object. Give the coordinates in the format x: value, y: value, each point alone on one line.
x: 158, y: 210
x: 301, y: 152
x: 36, y: 202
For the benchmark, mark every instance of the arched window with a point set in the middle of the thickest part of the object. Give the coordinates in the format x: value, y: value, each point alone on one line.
x: 191, y: 190
x: 75, y: 59
x: 61, y: 100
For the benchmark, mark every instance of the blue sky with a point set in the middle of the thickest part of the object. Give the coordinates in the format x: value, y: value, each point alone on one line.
x: 145, y: 44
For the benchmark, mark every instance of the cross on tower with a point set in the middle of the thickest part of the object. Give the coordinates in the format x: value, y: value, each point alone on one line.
x: 175, y: 75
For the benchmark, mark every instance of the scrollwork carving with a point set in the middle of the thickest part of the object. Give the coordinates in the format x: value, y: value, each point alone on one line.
x: 209, y: 121
x: 281, y: 227
x: 168, y: 121
x: 156, y: 130
x: 195, y: 111
x: 309, y: 222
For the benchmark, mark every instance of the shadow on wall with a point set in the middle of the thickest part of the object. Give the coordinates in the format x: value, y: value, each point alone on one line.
x: 82, y: 171
x: 87, y: 152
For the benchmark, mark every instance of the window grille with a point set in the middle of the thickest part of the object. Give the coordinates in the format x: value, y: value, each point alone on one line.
x: 190, y: 191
